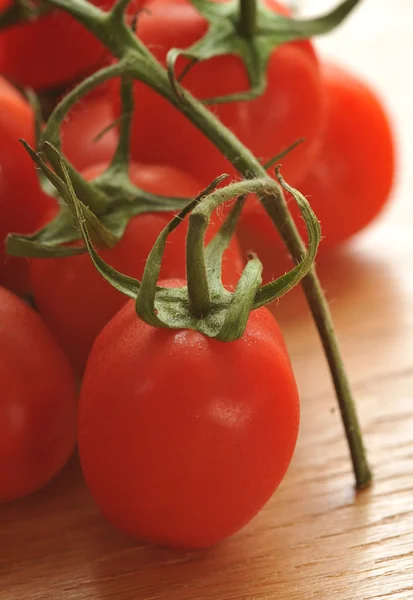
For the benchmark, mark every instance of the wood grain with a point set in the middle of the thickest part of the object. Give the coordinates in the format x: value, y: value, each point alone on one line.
x: 316, y: 538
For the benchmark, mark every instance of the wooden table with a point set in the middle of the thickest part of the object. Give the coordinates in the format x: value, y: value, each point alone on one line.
x: 316, y: 538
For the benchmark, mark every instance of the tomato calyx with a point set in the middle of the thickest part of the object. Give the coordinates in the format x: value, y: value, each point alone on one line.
x: 250, y: 30
x: 60, y: 236
x: 202, y: 303
x: 108, y: 202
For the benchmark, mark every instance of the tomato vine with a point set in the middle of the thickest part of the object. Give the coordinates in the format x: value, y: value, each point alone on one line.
x: 136, y: 62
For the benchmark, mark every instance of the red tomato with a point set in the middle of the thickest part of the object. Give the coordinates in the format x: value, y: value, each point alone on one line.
x: 350, y: 181
x: 84, y: 123
x: 52, y: 50
x: 77, y: 302
x: 22, y: 203
x: 38, y: 401
x: 183, y: 438
x: 291, y: 107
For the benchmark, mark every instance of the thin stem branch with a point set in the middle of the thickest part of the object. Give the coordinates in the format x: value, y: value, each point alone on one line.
x: 94, y: 198
x: 120, y: 160
x: 51, y: 131
x: 248, y: 18
x: 196, y: 275
x: 324, y: 322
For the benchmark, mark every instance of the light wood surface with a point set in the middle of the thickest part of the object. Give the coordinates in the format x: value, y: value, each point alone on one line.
x: 316, y: 538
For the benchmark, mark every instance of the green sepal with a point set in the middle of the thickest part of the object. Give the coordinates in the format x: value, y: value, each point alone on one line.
x: 124, y: 194
x: 63, y: 229
x: 236, y: 317
x: 34, y: 100
x: 126, y: 202
x: 215, y: 249
x: 48, y: 242
x: 123, y: 283
x: 224, y: 36
x: 100, y: 234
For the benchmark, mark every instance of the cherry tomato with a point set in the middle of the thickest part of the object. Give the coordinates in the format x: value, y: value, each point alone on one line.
x: 22, y: 203
x: 74, y: 299
x: 38, y: 401
x: 291, y: 107
x: 183, y: 438
x: 52, y: 50
x: 350, y: 181
x: 81, y: 128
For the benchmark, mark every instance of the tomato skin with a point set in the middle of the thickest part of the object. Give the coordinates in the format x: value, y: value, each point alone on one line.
x: 358, y: 171
x: 38, y: 401
x: 183, y: 438
x: 291, y: 107
x: 77, y: 302
x: 351, y: 180
x: 60, y: 49
x: 84, y: 123
x: 22, y: 203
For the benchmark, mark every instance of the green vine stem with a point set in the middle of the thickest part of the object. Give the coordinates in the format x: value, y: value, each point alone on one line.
x: 120, y: 160
x: 51, y: 131
x: 248, y: 17
x: 114, y: 182
x: 90, y: 194
x: 138, y: 62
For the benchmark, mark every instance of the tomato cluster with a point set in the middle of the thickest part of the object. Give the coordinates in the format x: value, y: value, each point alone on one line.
x: 182, y: 438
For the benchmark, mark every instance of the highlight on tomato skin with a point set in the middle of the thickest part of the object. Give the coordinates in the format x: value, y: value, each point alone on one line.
x: 183, y: 438
x: 38, y: 401
x: 351, y: 180
x: 71, y: 295
x: 292, y: 107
